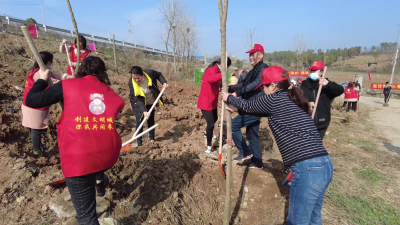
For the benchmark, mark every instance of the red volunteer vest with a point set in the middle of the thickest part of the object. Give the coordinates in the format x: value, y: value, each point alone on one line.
x: 350, y: 93
x: 29, y: 84
x: 87, y: 139
x: 74, y: 57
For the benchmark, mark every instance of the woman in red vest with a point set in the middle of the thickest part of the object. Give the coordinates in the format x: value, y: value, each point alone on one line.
x: 37, y: 120
x: 88, y: 141
x: 351, y: 96
x: 73, y: 52
x: 208, y: 97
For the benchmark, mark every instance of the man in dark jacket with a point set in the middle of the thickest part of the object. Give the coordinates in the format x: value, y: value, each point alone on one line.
x: 243, y: 74
x: 143, y: 92
x: 386, y: 92
x: 245, y: 89
x: 330, y: 90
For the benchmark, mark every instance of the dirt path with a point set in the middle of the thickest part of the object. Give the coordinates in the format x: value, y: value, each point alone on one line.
x: 387, y: 120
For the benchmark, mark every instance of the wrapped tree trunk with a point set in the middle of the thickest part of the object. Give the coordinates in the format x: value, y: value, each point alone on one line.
x: 77, y: 40
x: 223, y: 13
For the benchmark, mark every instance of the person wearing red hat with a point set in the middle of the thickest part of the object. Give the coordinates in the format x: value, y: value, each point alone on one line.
x: 246, y: 89
x: 330, y: 90
x: 233, y: 80
x: 243, y: 74
x: 298, y: 141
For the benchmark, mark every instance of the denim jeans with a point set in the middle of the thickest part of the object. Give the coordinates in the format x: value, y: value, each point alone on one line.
x: 310, y: 180
x: 252, y: 124
x: 150, y: 123
x: 83, y: 195
x: 36, y: 137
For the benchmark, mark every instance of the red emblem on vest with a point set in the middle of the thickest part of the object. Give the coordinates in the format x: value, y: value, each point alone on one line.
x: 97, y: 105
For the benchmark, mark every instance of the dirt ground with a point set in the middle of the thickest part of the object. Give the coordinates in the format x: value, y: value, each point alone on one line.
x: 171, y: 181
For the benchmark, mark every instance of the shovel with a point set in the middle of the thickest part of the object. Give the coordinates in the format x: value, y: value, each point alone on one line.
x: 318, y: 94
x: 221, y: 132
x: 69, y: 60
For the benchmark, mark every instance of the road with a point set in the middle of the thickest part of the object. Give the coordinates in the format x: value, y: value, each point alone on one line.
x: 386, y: 120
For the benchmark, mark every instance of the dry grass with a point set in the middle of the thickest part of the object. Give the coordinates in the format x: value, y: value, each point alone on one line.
x: 366, y: 185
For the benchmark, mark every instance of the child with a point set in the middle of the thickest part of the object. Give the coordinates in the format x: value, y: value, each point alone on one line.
x: 298, y: 141
x: 73, y: 52
x: 37, y: 120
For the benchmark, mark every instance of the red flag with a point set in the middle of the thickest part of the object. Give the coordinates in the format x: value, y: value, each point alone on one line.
x: 345, y: 74
x: 369, y: 75
x: 33, y: 31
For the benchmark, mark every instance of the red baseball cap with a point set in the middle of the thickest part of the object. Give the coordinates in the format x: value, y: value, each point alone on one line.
x: 257, y: 48
x: 244, y: 70
x: 233, y: 74
x: 270, y: 75
x: 317, y: 65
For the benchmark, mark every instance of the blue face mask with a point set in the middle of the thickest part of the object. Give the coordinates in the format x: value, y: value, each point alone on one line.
x: 314, y: 76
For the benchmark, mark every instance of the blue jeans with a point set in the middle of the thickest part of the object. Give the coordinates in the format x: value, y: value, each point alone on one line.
x: 252, y: 124
x: 310, y: 180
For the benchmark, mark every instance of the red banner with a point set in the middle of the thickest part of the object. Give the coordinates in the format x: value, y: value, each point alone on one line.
x: 382, y: 86
x: 33, y: 31
x: 300, y: 73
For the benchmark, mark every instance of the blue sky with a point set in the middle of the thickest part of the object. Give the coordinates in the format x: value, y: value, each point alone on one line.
x: 323, y: 24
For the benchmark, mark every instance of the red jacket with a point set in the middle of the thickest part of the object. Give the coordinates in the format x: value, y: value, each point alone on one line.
x: 210, y: 83
x: 87, y: 139
x: 74, y: 57
x: 28, y: 85
x: 350, y: 93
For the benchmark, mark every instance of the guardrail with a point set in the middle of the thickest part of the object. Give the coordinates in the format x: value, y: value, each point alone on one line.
x: 92, y: 37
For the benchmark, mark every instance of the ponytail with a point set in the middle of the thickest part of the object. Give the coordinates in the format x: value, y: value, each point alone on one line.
x: 46, y: 57
x: 295, y: 93
x: 219, y: 63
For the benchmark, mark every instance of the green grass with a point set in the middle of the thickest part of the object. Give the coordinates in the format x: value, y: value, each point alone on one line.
x: 365, y: 211
x: 365, y: 143
x: 371, y: 175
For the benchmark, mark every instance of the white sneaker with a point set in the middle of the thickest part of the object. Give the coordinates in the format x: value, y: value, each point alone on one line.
x: 209, y: 149
x: 215, y: 137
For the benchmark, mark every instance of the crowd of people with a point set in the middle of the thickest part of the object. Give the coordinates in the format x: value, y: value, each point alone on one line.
x: 89, y: 144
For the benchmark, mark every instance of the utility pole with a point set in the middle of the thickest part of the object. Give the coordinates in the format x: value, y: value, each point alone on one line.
x: 395, y: 58
x: 174, y: 27
x: 43, y: 18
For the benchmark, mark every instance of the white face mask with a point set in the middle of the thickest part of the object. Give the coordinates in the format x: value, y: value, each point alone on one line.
x: 314, y: 76
x: 51, y: 66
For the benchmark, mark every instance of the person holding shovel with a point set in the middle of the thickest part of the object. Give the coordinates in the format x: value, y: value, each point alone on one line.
x: 37, y: 119
x: 87, y: 137
x: 73, y: 53
x: 208, y: 97
x: 143, y: 92
x: 386, y: 92
x: 298, y: 141
x: 330, y: 90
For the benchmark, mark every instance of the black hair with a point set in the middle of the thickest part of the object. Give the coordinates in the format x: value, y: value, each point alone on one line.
x: 350, y: 85
x: 82, y: 41
x: 295, y: 93
x: 93, y: 65
x: 136, y: 70
x: 219, y: 63
x: 46, y: 57
x: 387, y: 82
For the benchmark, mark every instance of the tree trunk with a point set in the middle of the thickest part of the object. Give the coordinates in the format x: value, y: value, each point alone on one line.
x: 223, y: 13
x: 77, y: 39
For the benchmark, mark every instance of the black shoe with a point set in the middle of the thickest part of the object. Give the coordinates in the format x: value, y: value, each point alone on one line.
x: 241, y: 158
x: 101, y: 187
x: 37, y: 154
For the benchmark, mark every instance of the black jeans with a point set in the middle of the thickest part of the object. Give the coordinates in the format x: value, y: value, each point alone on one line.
x: 322, y: 132
x: 83, y: 195
x: 36, y: 136
x: 150, y: 123
x: 211, y: 117
x: 386, y: 97
x: 353, y: 106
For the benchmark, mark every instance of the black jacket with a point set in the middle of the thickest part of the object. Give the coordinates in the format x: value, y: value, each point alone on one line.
x: 328, y: 93
x: 137, y: 100
x: 247, y: 85
x: 387, y: 89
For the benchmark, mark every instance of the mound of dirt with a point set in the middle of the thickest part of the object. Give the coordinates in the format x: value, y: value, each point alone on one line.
x: 168, y: 182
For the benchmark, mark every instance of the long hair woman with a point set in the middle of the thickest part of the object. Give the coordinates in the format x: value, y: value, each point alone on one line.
x: 87, y: 138
x: 208, y: 97
x: 298, y: 141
